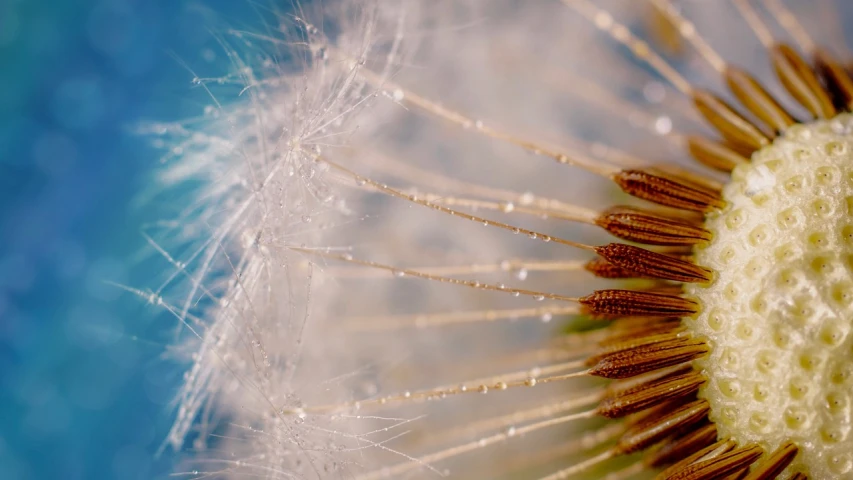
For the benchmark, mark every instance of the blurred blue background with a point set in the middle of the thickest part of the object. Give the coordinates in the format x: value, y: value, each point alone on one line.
x: 85, y: 385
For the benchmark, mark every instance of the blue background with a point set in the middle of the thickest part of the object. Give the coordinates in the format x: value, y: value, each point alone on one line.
x: 86, y: 382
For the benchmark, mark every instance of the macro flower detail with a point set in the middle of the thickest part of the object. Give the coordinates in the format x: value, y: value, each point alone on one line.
x: 718, y: 347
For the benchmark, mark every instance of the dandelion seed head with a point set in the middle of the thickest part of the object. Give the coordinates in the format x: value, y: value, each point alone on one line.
x: 399, y: 214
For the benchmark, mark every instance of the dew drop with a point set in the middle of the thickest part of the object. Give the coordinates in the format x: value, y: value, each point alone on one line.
x: 663, y: 125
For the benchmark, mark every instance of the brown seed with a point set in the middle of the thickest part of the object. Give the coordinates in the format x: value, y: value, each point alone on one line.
x: 651, y: 393
x: 633, y: 343
x: 681, y: 447
x: 632, y: 303
x: 669, y: 191
x: 627, y: 329
x: 719, y: 466
x: 711, y: 451
x: 800, y: 81
x: 654, y: 429
x: 646, y: 358
x: 837, y: 80
x: 773, y: 466
x: 715, y: 154
x: 757, y: 100
x: 604, y: 269
x: 731, y: 124
x: 653, y: 265
x: 645, y: 227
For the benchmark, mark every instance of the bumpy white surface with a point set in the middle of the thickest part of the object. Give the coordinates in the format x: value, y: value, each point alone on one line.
x: 778, y: 316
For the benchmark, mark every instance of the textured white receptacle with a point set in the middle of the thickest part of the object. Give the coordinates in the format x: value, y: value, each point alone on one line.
x: 778, y: 315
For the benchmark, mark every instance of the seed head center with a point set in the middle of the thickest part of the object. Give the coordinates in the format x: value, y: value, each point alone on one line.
x: 778, y: 315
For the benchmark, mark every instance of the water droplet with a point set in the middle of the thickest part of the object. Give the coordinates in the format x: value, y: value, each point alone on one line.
x: 483, y: 389
x: 546, y: 317
x: 539, y: 298
x: 663, y: 125
x: 398, y: 95
x: 507, y: 207
x: 521, y: 274
x: 526, y: 198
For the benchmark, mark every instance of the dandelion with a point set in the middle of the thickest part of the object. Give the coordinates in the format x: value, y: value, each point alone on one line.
x: 464, y: 240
